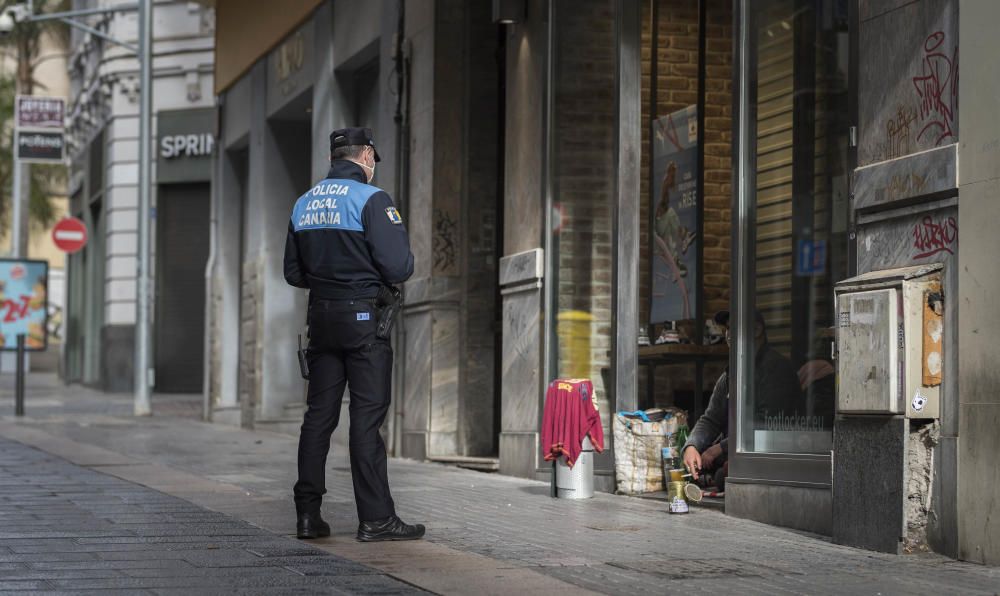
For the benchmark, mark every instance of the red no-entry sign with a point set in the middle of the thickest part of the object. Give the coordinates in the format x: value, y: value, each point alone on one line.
x: 70, y: 235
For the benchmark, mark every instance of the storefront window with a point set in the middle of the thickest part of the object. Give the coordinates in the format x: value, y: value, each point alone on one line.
x: 582, y: 182
x: 797, y: 79
x: 686, y: 196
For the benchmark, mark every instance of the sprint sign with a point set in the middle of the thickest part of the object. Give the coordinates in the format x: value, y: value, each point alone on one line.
x: 70, y: 235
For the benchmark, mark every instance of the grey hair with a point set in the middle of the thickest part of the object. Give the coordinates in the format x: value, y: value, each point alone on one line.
x: 348, y: 152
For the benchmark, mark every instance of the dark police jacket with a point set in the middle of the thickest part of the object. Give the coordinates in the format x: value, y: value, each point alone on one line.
x: 345, y: 238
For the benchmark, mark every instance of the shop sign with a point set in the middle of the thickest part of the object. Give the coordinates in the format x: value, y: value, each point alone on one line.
x: 38, y: 129
x: 289, y: 59
x: 290, y: 69
x: 185, y: 145
x: 24, y: 304
x: 192, y: 145
x: 40, y: 146
x: 40, y: 112
x: 674, y: 211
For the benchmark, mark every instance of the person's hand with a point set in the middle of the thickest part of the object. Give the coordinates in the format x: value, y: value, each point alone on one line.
x: 692, y: 461
x: 710, y: 455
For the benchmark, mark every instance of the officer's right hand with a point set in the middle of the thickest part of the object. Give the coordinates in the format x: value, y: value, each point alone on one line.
x: 692, y: 461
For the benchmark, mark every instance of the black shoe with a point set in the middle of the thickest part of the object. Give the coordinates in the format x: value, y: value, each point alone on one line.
x: 311, y: 525
x: 390, y: 528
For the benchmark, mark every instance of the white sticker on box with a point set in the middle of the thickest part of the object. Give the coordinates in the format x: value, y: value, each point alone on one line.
x: 918, y: 403
x: 862, y: 311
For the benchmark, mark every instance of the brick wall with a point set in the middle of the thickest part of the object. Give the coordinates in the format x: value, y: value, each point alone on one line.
x: 583, y: 178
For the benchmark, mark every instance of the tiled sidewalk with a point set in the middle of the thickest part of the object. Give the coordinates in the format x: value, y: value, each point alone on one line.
x: 68, y: 529
x: 487, y: 534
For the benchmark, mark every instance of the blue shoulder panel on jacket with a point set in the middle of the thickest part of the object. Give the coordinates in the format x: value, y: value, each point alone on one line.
x: 333, y: 204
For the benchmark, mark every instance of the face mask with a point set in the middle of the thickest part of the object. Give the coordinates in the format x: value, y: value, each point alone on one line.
x: 370, y: 176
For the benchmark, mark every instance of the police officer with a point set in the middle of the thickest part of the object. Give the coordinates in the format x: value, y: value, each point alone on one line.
x: 347, y: 244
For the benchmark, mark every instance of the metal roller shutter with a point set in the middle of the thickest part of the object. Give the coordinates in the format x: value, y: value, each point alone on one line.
x: 182, y: 251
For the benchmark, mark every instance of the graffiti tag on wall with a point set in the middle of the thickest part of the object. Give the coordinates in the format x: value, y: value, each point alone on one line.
x: 902, y: 186
x: 937, y: 88
x: 898, y: 139
x: 444, y: 241
x: 929, y: 118
x: 932, y: 237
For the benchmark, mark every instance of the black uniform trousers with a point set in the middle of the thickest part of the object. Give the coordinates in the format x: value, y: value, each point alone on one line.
x: 343, y: 351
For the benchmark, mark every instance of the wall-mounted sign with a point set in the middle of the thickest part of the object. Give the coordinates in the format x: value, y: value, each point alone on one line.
x: 38, y: 130
x: 811, y: 258
x: 184, y: 145
x: 191, y: 145
x: 24, y: 304
x: 290, y: 69
x: 40, y: 112
x: 39, y: 146
x: 290, y: 56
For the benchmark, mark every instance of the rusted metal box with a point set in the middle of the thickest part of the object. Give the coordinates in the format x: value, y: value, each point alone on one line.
x: 889, y: 342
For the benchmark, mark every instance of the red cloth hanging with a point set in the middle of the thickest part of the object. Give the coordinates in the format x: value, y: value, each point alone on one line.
x: 570, y: 414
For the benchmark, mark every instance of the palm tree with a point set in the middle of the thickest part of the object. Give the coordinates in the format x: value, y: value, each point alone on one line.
x: 24, y: 46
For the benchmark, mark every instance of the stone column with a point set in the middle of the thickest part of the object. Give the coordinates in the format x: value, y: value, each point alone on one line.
x: 223, y: 324
x: 433, y: 295
x: 978, y: 321
x: 522, y: 267
x: 279, y: 308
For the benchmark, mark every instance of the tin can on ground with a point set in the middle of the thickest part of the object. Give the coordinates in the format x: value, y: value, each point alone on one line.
x: 676, y: 497
x: 676, y: 489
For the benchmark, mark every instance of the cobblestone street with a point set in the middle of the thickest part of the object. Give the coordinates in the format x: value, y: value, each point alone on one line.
x: 70, y: 529
x: 102, y: 501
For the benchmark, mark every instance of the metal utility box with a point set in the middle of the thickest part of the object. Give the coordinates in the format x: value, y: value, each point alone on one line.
x: 889, y: 342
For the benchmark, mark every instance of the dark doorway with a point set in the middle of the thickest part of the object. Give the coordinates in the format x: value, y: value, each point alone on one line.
x: 181, y: 252
x: 366, y: 99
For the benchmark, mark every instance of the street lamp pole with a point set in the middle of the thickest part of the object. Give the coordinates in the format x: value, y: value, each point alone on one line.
x: 143, y: 330
x: 143, y: 371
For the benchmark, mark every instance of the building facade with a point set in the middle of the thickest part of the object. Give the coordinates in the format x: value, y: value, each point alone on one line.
x: 572, y: 171
x: 102, y: 132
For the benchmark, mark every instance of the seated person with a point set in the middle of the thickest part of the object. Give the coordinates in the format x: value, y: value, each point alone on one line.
x: 776, y: 383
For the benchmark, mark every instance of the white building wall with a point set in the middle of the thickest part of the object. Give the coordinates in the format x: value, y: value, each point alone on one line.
x: 106, y: 95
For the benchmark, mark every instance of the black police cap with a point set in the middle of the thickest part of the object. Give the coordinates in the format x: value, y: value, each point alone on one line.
x: 345, y: 137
